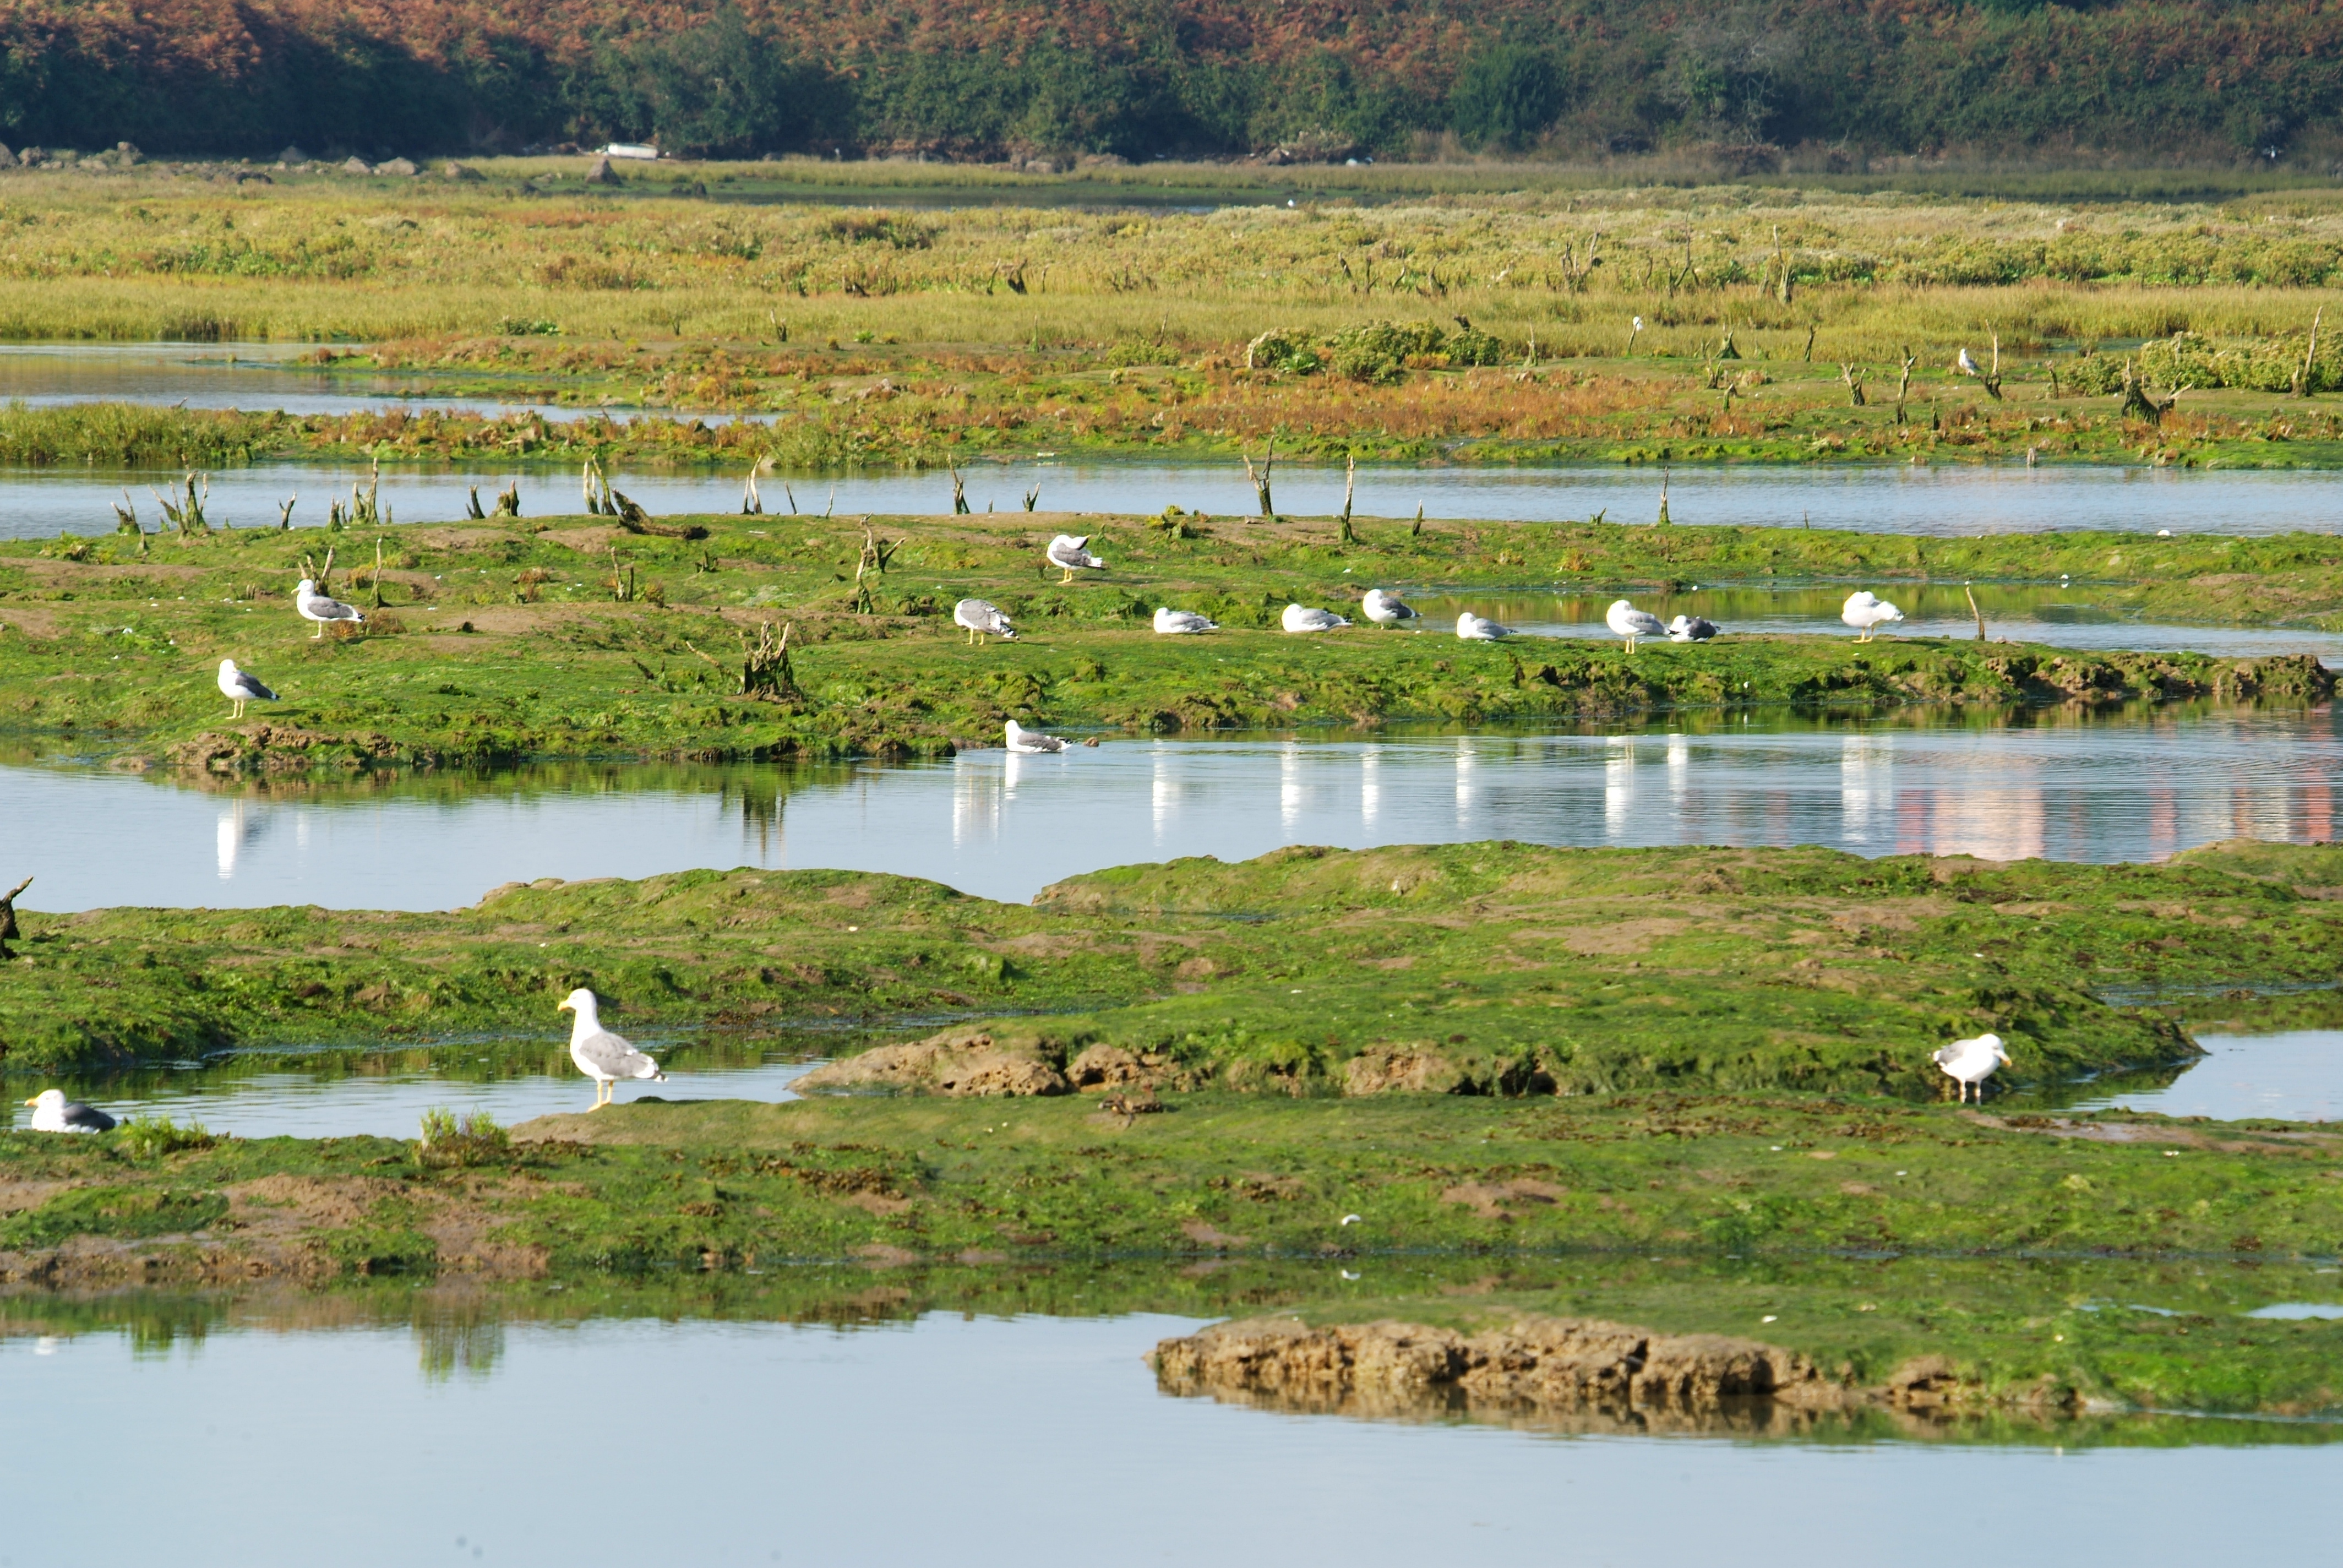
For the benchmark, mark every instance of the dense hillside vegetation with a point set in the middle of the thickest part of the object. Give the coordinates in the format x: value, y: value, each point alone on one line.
x: 1843, y: 79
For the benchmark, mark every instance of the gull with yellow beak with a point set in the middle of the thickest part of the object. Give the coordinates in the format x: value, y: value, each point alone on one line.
x: 601, y: 1055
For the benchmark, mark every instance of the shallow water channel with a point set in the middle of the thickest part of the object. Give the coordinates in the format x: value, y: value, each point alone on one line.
x: 2140, y: 784
x: 1941, y: 502
x: 1016, y: 1439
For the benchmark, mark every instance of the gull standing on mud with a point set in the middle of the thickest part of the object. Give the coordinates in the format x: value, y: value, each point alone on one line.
x: 1631, y: 623
x: 315, y: 605
x: 240, y: 687
x: 1481, y: 628
x: 53, y: 1113
x: 983, y: 618
x: 1691, y: 629
x: 601, y: 1055
x: 1383, y: 607
x: 1969, y: 1062
x: 1171, y: 622
x: 1867, y: 612
x: 1301, y: 619
x: 1068, y: 553
x: 1030, y: 743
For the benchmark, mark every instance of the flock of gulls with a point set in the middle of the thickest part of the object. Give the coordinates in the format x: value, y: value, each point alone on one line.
x: 610, y: 1058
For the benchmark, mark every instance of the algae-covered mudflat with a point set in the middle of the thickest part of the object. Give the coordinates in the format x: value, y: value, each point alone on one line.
x: 502, y: 639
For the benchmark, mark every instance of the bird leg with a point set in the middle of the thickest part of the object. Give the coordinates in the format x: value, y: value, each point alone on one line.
x: 1069, y: 577
x: 319, y: 633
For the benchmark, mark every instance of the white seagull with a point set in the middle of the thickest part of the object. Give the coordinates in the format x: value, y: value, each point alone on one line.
x: 240, y: 687
x: 983, y: 618
x: 1691, y: 629
x: 1301, y: 618
x: 1383, y: 607
x: 1031, y: 742
x: 1867, y: 612
x: 1631, y: 623
x: 1481, y: 628
x: 53, y: 1113
x: 601, y: 1055
x: 1966, y: 365
x: 1066, y: 552
x: 1969, y: 1062
x: 315, y: 605
x: 1182, y: 622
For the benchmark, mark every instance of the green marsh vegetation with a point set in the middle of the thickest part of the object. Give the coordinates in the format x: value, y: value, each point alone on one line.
x: 1478, y: 970
x: 496, y: 642
x: 930, y: 337
x: 1860, y: 1232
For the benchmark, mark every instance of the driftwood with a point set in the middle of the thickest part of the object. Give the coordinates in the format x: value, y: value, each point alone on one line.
x: 2306, y: 375
x: 2138, y: 400
x: 766, y: 673
x: 1350, y: 481
x: 1904, y: 382
x: 8, y: 932
x: 1260, y: 479
x: 1854, y: 380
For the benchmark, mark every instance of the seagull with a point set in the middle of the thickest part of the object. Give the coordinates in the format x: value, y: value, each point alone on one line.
x: 53, y: 1113
x: 1031, y: 742
x: 1966, y: 365
x: 1299, y: 618
x: 601, y: 1055
x: 1691, y: 629
x: 1971, y: 1062
x: 1383, y: 607
x: 982, y: 617
x: 315, y: 605
x: 1481, y: 628
x: 1067, y: 553
x: 240, y: 687
x: 1632, y: 623
x: 1867, y: 612
x: 1182, y: 622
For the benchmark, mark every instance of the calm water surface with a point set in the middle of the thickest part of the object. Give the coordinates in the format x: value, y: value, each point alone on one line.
x: 2137, y: 785
x: 986, y: 1440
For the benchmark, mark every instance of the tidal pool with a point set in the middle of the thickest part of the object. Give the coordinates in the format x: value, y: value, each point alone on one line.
x: 2294, y: 1076
x: 2137, y: 784
x: 1013, y: 1441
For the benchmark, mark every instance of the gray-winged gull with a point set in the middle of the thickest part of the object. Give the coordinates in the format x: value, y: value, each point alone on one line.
x: 1031, y: 742
x: 1182, y: 622
x: 1631, y: 623
x: 1969, y: 1062
x: 1867, y: 612
x: 240, y: 687
x: 983, y: 618
x: 315, y: 605
x: 1301, y: 618
x: 1066, y: 552
x: 53, y: 1113
x: 601, y: 1055
x: 1691, y: 629
x: 1385, y: 608
x: 1481, y: 628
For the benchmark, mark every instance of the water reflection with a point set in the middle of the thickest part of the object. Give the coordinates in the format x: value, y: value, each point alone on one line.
x: 2296, y: 1076
x: 2136, y: 785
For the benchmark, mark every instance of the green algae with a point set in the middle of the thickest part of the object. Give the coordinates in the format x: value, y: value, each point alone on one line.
x: 1491, y: 967
x: 498, y: 644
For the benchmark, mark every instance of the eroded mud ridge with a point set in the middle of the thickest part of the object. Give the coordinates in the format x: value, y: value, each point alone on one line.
x: 1613, y: 1375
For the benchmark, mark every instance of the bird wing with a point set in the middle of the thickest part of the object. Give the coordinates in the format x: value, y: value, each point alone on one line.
x: 248, y: 685
x: 76, y: 1115
x: 323, y: 608
x: 614, y: 1055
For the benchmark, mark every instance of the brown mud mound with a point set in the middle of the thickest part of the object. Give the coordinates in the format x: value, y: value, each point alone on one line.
x: 1561, y: 1363
x: 1569, y: 1374
x: 956, y: 1062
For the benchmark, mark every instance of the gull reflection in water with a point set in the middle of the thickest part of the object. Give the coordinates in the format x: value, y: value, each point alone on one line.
x: 237, y: 828
x: 1679, y: 767
x: 977, y: 792
x: 1164, y: 792
x: 1289, y: 786
x: 1464, y: 761
x: 1371, y: 789
x: 1618, y: 785
x: 1866, y: 793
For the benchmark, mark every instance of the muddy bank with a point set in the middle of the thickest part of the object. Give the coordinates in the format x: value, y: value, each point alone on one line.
x: 1595, y: 1375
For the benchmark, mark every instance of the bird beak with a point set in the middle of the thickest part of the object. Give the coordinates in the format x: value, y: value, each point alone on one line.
x: 561, y: 1007
x: 34, y: 1100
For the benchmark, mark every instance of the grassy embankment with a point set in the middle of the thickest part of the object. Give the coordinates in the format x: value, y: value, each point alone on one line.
x: 507, y: 640
x: 892, y: 337
x: 1681, y: 1212
x: 1488, y: 968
